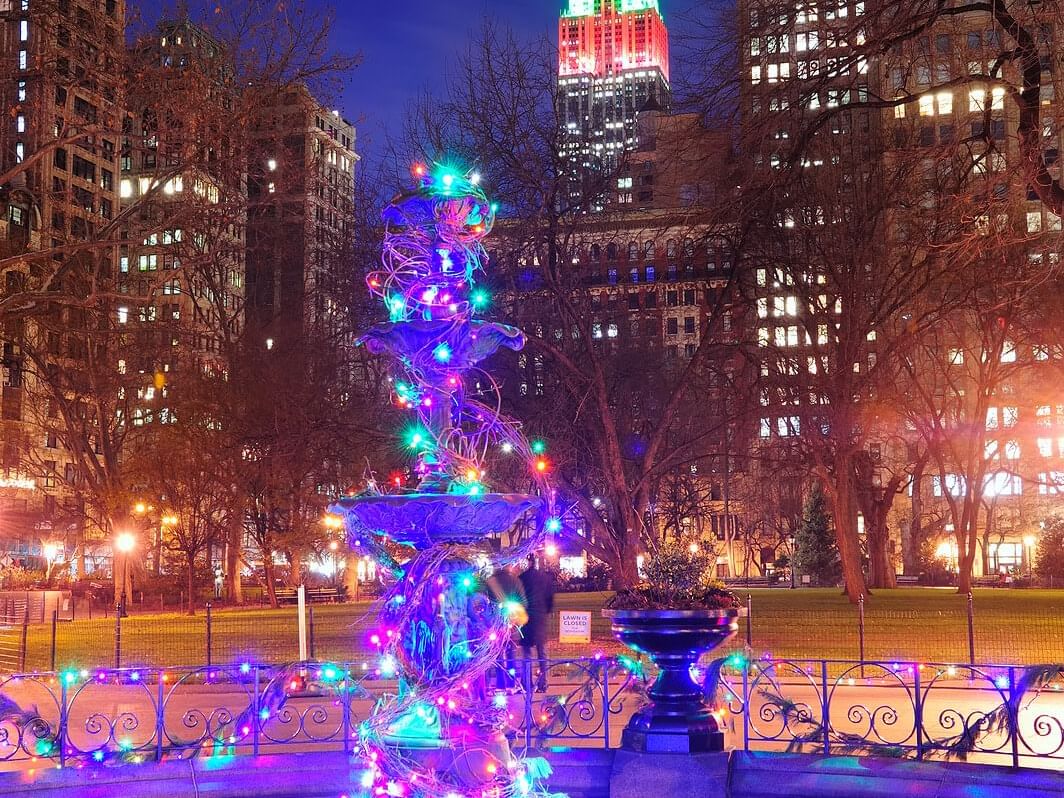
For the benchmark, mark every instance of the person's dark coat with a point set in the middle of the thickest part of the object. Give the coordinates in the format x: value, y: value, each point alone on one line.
x: 539, y: 594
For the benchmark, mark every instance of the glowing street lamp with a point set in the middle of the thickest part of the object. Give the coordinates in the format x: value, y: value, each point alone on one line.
x: 1028, y: 545
x: 124, y: 543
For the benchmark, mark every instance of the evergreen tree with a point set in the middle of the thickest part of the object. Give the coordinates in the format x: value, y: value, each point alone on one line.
x: 816, y: 553
x: 1049, y: 554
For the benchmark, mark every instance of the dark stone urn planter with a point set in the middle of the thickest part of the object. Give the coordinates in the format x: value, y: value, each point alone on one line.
x: 677, y: 719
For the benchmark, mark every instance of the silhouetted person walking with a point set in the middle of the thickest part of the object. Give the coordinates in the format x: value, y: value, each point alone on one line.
x: 539, y: 595
x: 504, y: 586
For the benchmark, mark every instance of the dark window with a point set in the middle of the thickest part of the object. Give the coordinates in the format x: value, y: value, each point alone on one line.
x: 672, y: 326
x: 633, y: 301
x: 84, y: 108
x: 59, y: 158
x: 689, y: 296
x: 651, y: 299
x: 86, y: 170
x: 672, y: 298
x: 689, y: 325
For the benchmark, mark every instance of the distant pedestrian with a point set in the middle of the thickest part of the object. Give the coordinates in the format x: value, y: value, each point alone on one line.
x: 219, y: 583
x: 539, y: 593
x: 508, y: 595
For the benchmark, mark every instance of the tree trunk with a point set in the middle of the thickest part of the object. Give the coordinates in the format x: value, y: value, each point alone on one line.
x: 191, y: 585
x: 880, y: 567
x: 968, y: 537
x: 351, y: 576
x: 910, y: 549
x: 844, y: 505
x: 295, y: 573
x: 234, y: 589
x: 271, y: 588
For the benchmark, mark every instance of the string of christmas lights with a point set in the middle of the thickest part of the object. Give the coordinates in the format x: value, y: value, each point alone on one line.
x: 443, y: 628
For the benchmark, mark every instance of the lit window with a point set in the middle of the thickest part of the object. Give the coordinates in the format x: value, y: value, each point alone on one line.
x: 20, y: 123
x: 1012, y: 450
x: 991, y: 418
x: 945, y: 102
x: 1045, y: 447
x: 956, y: 356
x: 20, y: 152
x: 927, y: 105
x: 997, y: 98
x: 899, y: 111
x: 1051, y: 483
x: 125, y: 189
x: 24, y: 30
x: 977, y: 101
x: 1009, y: 416
x: 1034, y: 221
x: 123, y: 315
x: 1002, y: 483
x: 766, y: 428
x: 23, y: 59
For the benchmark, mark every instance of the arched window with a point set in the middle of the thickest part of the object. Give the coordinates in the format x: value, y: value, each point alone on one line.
x: 611, y: 251
x: 633, y: 251
x: 648, y: 250
x: 670, y: 248
x: 688, y: 247
x: 596, y: 252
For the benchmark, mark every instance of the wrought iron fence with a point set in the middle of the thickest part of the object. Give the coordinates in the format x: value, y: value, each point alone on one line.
x: 994, y: 714
x: 1006, y: 715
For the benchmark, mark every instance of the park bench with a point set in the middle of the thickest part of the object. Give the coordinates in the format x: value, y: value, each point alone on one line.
x: 907, y: 581
x: 754, y: 581
x: 288, y: 595
x: 994, y: 580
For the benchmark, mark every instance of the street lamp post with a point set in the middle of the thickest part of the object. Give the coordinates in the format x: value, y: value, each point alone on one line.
x: 1028, y: 545
x: 790, y: 540
x: 51, y: 552
x: 124, y: 544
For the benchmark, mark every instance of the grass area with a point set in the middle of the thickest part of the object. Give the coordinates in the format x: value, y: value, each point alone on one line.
x: 1011, y: 626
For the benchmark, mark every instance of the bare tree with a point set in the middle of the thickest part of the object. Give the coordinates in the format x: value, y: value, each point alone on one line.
x: 620, y: 410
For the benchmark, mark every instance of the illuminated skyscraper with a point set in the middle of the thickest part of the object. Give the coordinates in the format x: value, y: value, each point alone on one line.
x: 613, y: 62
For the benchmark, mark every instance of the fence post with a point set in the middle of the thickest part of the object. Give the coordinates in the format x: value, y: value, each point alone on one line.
x: 25, y: 637
x: 825, y: 717
x: 209, y: 635
x: 746, y: 705
x: 61, y: 734
x: 526, y: 679
x: 860, y: 631
x: 749, y: 621
x: 918, y: 707
x: 160, y: 716
x: 1014, y: 719
x: 606, y: 702
x: 118, y: 636
x: 310, y: 630
x: 971, y: 629
x: 256, y: 724
x: 55, y: 626
x: 345, y: 685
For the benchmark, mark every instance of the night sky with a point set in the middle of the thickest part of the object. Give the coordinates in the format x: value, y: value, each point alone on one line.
x: 406, y: 45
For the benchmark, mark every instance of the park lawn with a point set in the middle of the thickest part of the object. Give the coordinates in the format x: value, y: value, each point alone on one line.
x: 922, y: 624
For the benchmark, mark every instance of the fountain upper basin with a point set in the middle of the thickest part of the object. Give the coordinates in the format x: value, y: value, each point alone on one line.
x: 422, y: 520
